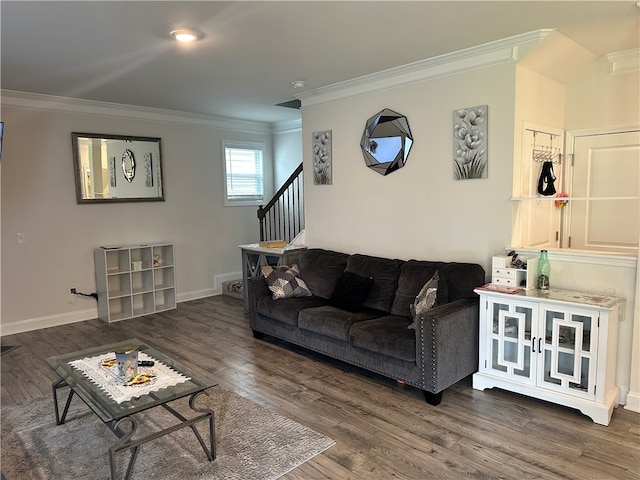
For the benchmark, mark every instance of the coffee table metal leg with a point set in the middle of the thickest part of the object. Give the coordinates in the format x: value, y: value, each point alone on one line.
x: 123, y: 442
x: 125, y: 437
x: 55, y: 386
x: 210, y: 450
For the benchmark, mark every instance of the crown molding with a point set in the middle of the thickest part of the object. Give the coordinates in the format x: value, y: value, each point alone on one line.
x: 626, y: 61
x: 481, y: 56
x: 37, y: 101
x: 289, y: 126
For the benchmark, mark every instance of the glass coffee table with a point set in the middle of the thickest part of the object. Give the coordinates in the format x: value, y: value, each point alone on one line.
x: 119, y: 416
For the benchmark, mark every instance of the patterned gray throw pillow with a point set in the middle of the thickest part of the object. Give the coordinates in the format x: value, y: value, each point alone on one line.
x: 285, y: 282
x: 425, y: 300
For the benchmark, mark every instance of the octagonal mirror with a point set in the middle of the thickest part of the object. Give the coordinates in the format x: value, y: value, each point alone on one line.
x: 386, y: 142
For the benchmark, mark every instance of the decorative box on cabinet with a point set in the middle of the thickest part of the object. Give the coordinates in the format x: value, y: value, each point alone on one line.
x: 503, y: 274
x: 134, y: 280
x: 556, y: 345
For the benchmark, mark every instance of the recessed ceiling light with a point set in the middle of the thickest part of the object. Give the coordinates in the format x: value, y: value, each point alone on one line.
x: 185, y: 35
x: 298, y: 83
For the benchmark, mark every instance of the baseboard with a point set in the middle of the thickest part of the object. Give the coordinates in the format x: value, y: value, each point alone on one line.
x: 48, y: 321
x: 207, y: 292
x: 30, y: 324
x: 219, y: 279
x: 633, y: 402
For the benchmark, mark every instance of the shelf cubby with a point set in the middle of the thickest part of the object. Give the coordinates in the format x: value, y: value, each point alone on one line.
x: 163, y: 277
x: 165, y: 299
x: 120, y: 308
x: 119, y: 285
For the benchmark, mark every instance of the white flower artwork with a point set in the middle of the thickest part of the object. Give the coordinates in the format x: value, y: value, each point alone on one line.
x: 322, y: 158
x: 470, y: 142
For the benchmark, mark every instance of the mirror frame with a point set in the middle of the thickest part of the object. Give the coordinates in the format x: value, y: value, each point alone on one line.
x: 75, y: 138
x: 386, y: 124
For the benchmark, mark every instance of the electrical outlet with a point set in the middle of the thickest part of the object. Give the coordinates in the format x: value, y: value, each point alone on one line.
x: 73, y: 291
x: 21, y: 237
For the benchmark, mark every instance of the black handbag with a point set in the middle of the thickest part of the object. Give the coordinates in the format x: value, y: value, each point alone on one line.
x: 545, y: 183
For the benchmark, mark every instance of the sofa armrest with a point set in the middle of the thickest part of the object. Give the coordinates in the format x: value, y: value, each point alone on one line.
x: 447, y: 343
x: 256, y: 288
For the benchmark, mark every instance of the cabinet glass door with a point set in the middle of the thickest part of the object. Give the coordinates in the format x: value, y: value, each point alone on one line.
x: 568, y: 351
x: 510, y: 340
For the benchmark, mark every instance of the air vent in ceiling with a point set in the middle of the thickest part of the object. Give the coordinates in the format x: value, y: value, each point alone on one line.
x: 290, y: 104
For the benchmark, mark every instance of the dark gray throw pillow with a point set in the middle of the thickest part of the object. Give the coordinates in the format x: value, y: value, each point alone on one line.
x: 351, y: 291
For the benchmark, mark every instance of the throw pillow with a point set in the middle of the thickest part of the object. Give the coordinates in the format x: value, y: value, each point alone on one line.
x: 351, y: 291
x: 285, y: 282
x: 426, y: 299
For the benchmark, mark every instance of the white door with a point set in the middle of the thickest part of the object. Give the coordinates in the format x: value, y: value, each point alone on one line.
x: 605, y: 166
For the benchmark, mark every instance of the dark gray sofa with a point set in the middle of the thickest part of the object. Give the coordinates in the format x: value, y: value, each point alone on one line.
x: 440, y: 351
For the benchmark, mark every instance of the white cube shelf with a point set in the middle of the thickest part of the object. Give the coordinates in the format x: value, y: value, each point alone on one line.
x: 134, y: 280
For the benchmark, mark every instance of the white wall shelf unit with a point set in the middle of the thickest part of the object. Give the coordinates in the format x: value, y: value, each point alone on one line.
x: 556, y: 345
x: 134, y: 280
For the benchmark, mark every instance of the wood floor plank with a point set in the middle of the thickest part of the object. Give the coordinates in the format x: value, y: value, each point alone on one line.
x: 381, y: 430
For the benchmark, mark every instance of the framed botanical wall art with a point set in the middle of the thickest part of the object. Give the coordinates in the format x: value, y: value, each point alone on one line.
x: 470, y: 143
x: 322, y: 171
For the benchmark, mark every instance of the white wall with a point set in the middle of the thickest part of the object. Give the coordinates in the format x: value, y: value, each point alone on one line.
x: 419, y: 211
x: 597, y: 99
x: 38, y: 199
x: 287, y: 153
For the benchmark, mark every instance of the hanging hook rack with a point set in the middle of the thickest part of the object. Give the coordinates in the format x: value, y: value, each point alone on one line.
x: 546, y: 154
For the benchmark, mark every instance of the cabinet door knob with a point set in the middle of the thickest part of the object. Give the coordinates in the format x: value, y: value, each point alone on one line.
x: 540, y: 345
x: 533, y: 345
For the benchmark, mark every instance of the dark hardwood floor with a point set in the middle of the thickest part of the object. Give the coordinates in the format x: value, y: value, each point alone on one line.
x: 382, y: 430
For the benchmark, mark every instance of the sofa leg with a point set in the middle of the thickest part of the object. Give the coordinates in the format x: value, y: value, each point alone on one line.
x: 433, y: 398
x: 257, y: 334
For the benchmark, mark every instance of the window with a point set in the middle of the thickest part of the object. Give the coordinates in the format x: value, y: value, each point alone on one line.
x: 244, y: 173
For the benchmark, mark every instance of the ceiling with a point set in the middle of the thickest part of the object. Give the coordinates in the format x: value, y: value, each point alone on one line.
x: 121, y: 52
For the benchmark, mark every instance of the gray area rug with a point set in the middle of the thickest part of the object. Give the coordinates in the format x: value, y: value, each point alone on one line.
x: 252, y: 442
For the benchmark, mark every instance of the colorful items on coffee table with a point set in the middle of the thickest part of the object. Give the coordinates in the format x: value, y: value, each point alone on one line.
x: 127, y: 361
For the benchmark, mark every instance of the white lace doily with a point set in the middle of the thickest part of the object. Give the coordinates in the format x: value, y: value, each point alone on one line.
x: 106, y: 376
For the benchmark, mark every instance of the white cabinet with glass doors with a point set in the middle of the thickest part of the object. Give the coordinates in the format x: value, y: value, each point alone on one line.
x: 557, y: 345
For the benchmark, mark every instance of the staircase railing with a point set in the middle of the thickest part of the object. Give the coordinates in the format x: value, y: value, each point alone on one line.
x: 283, y: 217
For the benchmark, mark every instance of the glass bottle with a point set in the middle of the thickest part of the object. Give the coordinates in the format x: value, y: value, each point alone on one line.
x: 544, y: 269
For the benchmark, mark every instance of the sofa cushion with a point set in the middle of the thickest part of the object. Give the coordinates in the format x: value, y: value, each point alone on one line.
x: 426, y: 299
x: 351, y: 291
x: 331, y: 321
x: 386, y: 335
x: 413, y: 276
x: 321, y: 270
x: 385, y: 273
x: 285, y: 282
x: 286, y: 310
x: 461, y: 279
